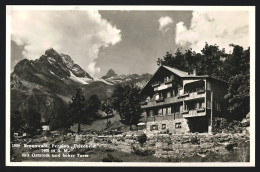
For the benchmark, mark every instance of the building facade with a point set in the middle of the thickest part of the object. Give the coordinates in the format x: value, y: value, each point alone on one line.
x: 180, y: 102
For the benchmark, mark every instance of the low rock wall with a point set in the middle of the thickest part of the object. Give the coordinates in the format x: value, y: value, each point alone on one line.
x: 175, y: 145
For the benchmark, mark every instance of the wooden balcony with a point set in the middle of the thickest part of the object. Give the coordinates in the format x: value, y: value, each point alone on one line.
x: 166, y: 101
x: 195, y: 113
x: 183, y: 95
x: 169, y: 81
x: 163, y: 86
x: 200, y: 91
x: 184, y: 112
x: 171, y: 100
x: 155, y: 84
x: 194, y: 95
x: 161, y: 99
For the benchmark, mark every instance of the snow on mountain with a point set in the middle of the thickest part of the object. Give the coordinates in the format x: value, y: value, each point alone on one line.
x: 83, y: 80
x: 103, y: 80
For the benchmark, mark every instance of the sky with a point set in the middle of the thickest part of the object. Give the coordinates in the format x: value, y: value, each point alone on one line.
x: 126, y: 41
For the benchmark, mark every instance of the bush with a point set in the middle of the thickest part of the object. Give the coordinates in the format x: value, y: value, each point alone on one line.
x: 194, y: 140
x: 111, y: 158
x: 142, y: 152
x: 231, y: 146
x: 109, y: 150
x: 46, y: 133
x: 142, y: 139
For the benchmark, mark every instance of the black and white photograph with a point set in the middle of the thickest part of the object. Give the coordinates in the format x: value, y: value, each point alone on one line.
x: 130, y: 85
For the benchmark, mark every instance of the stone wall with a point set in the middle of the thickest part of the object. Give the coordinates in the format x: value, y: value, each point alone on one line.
x: 175, y: 145
x: 180, y: 145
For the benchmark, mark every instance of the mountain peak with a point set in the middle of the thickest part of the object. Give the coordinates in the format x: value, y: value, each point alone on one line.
x: 109, y: 74
x: 51, y: 52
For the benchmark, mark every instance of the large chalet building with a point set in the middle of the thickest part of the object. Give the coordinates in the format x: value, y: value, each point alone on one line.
x: 181, y: 102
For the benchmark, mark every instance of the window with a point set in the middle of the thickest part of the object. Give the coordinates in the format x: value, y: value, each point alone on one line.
x: 217, y: 106
x: 181, y: 108
x: 164, y: 111
x: 181, y: 91
x: 154, y: 127
x: 159, y: 111
x: 208, y: 86
x: 169, y: 110
x: 157, y: 97
x: 151, y: 113
x: 200, y: 105
x: 173, y: 93
x: 169, y: 94
x: 178, y: 125
x: 186, y: 107
x: 208, y: 104
x: 165, y: 79
x: 163, y: 126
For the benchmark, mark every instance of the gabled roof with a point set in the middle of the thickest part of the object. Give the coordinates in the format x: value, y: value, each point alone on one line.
x: 182, y: 74
x: 178, y: 72
x: 171, y: 69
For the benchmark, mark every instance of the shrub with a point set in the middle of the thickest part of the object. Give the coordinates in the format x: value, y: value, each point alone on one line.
x: 111, y: 158
x: 109, y: 150
x: 195, y: 140
x: 142, y: 139
x: 230, y: 146
x: 46, y: 133
x: 140, y: 152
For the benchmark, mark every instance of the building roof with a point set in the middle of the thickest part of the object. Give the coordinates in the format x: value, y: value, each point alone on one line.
x: 180, y: 73
x: 177, y: 71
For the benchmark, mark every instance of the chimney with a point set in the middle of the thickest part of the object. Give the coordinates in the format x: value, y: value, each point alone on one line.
x: 194, y: 72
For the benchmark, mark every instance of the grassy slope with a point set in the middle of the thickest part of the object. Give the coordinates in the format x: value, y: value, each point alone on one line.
x: 98, y: 125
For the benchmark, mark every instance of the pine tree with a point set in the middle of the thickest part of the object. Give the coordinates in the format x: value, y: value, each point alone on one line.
x: 78, y: 108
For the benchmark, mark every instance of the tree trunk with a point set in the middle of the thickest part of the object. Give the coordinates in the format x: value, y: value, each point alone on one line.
x: 131, y: 123
x: 78, y: 127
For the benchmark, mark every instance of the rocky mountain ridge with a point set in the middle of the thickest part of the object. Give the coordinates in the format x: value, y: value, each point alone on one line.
x: 47, y: 83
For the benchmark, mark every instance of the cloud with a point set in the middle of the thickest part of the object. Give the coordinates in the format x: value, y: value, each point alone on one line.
x: 214, y: 27
x: 92, y: 68
x: 164, y: 23
x: 79, y: 34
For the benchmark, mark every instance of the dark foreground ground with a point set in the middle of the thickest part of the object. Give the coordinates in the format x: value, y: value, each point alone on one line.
x: 100, y: 154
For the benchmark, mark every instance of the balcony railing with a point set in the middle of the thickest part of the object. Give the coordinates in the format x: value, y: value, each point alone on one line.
x: 200, y: 91
x: 161, y: 99
x: 183, y: 95
x: 195, y: 113
x: 166, y: 101
x: 200, y: 110
x: 185, y: 112
x: 168, y: 81
x: 155, y: 84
